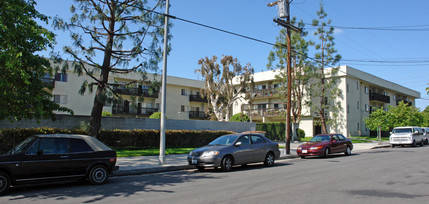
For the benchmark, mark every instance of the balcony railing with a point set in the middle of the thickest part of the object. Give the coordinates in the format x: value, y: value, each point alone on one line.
x: 48, y: 82
x: 197, y: 98
x: 133, y: 111
x: 197, y: 114
x: 135, y: 92
x: 280, y: 111
x: 379, y: 97
x: 262, y: 93
x: 409, y: 103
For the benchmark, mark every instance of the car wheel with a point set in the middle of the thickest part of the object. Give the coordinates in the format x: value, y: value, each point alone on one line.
x: 326, y: 154
x: 414, y: 143
x: 98, y: 175
x: 393, y: 146
x: 4, y: 182
x: 422, y: 143
x: 348, y: 151
x: 426, y: 141
x: 200, y: 168
x: 269, y: 159
x: 227, y: 163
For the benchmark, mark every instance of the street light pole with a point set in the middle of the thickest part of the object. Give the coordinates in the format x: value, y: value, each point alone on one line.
x: 164, y: 88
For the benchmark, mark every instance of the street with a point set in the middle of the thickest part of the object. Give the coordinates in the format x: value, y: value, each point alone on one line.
x: 398, y: 175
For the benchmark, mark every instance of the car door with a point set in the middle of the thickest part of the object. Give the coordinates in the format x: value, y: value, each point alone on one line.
x: 82, y: 156
x: 335, y: 144
x: 242, y: 152
x: 258, y: 148
x: 48, y: 157
x: 343, y: 143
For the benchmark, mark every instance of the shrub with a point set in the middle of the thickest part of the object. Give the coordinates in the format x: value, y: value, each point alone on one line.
x: 301, y: 133
x: 106, y: 113
x: 240, y: 117
x: 156, y: 115
x: 274, y: 131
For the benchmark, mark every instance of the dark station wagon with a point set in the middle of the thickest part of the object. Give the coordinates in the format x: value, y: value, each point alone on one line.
x: 40, y: 158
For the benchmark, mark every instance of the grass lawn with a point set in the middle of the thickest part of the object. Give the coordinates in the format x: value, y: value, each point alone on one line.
x: 151, y: 152
x: 384, y: 139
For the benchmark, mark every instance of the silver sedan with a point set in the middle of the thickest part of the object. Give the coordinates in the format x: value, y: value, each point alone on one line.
x: 235, y: 149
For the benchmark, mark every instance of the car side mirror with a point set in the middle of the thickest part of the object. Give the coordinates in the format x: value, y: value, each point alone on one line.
x: 237, y: 144
x: 390, y: 132
x: 39, y: 152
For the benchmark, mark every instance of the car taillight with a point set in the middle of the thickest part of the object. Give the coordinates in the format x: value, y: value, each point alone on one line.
x: 112, y: 159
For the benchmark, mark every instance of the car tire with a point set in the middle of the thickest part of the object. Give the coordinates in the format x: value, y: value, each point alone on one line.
x: 227, y: 163
x: 326, y: 154
x: 269, y: 159
x: 426, y: 141
x: 393, y: 146
x: 200, y: 168
x: 422, y: 143
x: 98, y: 175
x: 414, y: 144
x: 4, y: 183
x: 348, y: 151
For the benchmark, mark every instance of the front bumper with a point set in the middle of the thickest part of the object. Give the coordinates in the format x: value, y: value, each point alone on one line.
x: 204, y: 161
x: 310, y: 152
x: 401, y: 140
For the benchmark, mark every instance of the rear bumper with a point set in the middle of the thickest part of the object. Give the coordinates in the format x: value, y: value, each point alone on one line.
x: 114, y: 168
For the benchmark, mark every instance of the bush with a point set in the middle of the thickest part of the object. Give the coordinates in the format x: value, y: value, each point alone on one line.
x: 118, y: 139
x: 240, y: 117
x: 274, y: 131
x: 301, y: 133
x: 156, y: 115
x: 106, y: 113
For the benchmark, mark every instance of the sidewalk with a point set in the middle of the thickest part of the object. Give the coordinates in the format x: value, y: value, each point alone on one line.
x: 150, y: 164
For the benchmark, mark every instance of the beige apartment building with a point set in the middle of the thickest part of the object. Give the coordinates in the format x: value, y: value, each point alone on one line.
x: 183, y: 96
x: 361, y: 93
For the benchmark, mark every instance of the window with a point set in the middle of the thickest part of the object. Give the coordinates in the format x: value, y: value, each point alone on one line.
x: 50, y: 146
x: 183, y: 92
x: 61, y: 77
x: 244, y: 140
x: 182, y: 108
x: 357, y: 85
x: 342, y: 138
x: 60, y: 99
x: 385, y: 93
x: 358, y: 105
x: 276, y: 105
x: 366, y: 90
x: 257, y: 139
x: 262, y: 106
x: 366, y: 107
x: 394, y: 97
x: 358, y: 126
x: 77, y: 145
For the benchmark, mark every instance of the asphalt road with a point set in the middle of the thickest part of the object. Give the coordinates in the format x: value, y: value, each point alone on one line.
x: 398, y: 175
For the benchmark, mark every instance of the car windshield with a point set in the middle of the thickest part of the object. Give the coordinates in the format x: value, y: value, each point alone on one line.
x: 20, y: 147
x: 320, y: 138
x: 402, y: 130
x: 224, y: 140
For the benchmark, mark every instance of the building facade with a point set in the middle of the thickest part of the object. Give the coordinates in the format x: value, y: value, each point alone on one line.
x: 183, y: 100
x: 361, y: 94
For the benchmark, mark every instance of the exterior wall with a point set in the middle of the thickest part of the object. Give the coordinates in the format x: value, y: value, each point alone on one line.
x: 108, y: 123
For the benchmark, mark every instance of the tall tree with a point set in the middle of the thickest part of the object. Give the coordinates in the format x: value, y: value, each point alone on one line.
x: 223, y: 86
x: 404, y: 115
x: 324, y: 85
x: 22, y: 91
x: 301, y: 67
x: 111, y: 38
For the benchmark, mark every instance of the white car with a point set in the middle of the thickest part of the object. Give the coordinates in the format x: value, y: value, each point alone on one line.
x: 406, y: 136
x: 425, y: 134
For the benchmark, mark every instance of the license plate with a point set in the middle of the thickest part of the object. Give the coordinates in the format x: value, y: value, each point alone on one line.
x: 304, y: 151
x: 194, y: 161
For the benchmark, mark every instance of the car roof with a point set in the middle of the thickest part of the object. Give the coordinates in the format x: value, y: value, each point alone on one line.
x: 93, y: 142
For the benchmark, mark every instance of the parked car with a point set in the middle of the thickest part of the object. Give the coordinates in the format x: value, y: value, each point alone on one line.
x: 409, y: 135
x: 40, y: 158
x: 235, y: 149
x: 325, y: 144
x: 425, y: 131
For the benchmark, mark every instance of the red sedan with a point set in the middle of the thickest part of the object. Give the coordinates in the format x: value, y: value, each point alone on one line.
x: 325, y: 144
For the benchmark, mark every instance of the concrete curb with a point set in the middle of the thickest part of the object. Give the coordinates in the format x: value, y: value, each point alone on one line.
x: 170, y: 168
x: 381, y: 146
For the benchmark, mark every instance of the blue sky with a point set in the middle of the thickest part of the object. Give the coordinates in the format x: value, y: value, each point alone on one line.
x: 254, y: 19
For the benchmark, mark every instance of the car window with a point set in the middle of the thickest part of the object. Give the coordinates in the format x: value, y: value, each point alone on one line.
x: 77, y: 145
x: 257, y: 139
x: 335, y: 137
x: 50, y: 146
x: 244, y: 140
x: 342, y: 138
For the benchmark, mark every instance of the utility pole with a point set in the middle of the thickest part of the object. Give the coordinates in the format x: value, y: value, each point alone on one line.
x: 283, y: 12
x: 164, y: 88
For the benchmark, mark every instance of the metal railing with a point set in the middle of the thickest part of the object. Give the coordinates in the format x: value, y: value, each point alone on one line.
x: 135, y: 92
x: 133, y: 111
x: 262, y: 93
x: 197, y: 114
x: 379, y: 97
x: 197, y: 98
x: 279, y: 111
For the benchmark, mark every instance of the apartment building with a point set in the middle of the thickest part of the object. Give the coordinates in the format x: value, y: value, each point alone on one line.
x: 183, y: 100
x: 361, y: 93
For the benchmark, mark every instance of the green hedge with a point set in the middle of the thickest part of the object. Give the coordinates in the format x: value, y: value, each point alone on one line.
x: 118, y: 139
x: 276, y: 131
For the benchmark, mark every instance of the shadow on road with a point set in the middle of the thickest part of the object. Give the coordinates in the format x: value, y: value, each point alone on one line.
x: 124, y: 186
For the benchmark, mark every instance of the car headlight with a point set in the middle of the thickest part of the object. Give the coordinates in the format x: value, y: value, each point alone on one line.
x: 299, y: 148
x: 210, y: 153
x: 313, y: 148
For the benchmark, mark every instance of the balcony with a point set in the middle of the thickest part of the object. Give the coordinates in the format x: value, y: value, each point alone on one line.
x: 197, y: 115
x: 263, y: 93
x: 279, y: 111
x: 197, y: 98
x: 409, y: 103
x: 48, y: 82
x: 135, y: 92
x: 379, y: 97
x: 133, y: 111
